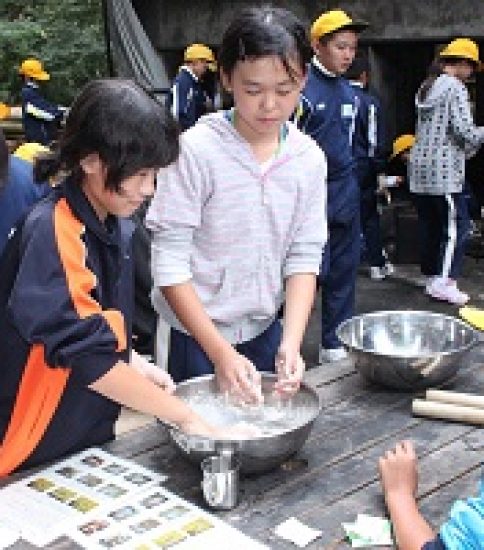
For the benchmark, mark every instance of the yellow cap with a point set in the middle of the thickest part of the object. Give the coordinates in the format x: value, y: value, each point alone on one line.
x: 33, y: 68
x: 198, y: 51
x: 334, y: 20
x: 4, y: 111
x: 28, y: 151
x: 402, y: 143
x: 462, y: 47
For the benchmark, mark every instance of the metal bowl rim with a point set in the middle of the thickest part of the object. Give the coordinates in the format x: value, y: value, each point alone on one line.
x: 304, y: 385
x: 474, y: 337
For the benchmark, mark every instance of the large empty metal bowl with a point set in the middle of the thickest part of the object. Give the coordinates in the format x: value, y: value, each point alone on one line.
x: 257, y: 454
x: 407, y: 350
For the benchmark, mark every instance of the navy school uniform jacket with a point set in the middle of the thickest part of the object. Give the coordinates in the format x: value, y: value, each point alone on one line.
x: 327, y: 112
x: 18, y: 195
x: 368, y: 139
x: 187, y: 98
x: 39, y: 117
x: 66, y: 308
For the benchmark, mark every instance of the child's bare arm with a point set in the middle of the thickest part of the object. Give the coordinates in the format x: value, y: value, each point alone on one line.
x: 300, y: 290
x: 399, y: 479
x: 128, y: 386
x: 234, y: 372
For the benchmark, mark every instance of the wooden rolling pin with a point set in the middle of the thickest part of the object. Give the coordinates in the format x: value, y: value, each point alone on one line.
x: 466, y: 399
x: 448, y: 411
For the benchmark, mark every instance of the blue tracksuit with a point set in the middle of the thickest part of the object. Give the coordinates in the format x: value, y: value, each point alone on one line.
x: 39, y: 117
x: 327, y: 112
x: 17, y: 196
x: 68, y: 287
x: 187, y: 98
x: 368, y: 148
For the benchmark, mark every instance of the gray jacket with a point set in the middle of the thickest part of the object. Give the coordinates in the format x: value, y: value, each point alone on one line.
x: 445, y: 137
x: 234, y: 228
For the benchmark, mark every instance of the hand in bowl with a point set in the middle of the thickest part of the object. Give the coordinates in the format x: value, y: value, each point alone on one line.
x: 290, y: 369
x: 238, y: 377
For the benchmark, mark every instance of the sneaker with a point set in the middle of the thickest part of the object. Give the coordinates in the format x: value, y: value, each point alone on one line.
x: 389, y: 268
x: 446, y: 290
x: 378, y: 273
x: 332, y: 355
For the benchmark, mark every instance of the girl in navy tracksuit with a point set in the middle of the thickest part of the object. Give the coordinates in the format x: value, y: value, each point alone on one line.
x: 66, y: 286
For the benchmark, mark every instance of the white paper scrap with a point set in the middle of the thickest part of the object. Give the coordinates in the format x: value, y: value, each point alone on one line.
x: 369, y: 531
x: 295, y: 531
x: 7, y: 536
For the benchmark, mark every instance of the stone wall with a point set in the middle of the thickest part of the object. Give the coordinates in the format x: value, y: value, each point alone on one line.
x: 171, y: 24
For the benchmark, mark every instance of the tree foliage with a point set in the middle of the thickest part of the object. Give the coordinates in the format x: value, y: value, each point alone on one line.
x: 66, y: 35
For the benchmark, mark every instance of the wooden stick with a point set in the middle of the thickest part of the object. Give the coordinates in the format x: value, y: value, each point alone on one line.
x: 465, y: 399
x: 448, y: 411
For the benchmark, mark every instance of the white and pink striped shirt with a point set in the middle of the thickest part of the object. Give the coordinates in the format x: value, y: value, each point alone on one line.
x: 235, y: 228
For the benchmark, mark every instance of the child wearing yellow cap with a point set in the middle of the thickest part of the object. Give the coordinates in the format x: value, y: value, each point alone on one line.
x: 327, y: 112
x: 40, y: 118
x: 188, y: 100
x: 445, y: 138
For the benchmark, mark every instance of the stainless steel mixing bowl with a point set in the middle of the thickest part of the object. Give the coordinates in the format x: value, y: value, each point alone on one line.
x: 258, y: 454
x: 407, y: 350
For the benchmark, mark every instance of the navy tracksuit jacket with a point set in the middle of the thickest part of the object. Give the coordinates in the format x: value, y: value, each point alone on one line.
x: 368, y: 148
x: 187, y: 100
x: 17, y: 196
x: 327, y: 112
x: 39, y: 117
x: 66, y: 283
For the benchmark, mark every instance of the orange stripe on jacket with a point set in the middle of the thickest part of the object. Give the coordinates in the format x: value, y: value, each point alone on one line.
x: 80, y: 281
x: 40, y: 391
x: 41, y: 387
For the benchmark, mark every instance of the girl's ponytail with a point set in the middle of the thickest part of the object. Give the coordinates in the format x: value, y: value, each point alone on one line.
x: 435, y: 70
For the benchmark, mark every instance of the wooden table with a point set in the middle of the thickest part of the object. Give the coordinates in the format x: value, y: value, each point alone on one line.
x: 334, y: 477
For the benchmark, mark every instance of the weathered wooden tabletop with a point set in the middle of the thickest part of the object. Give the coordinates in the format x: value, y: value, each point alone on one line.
x: 334, y: 476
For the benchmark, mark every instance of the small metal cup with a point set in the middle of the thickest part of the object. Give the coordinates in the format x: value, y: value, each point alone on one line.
x: 220, y: 483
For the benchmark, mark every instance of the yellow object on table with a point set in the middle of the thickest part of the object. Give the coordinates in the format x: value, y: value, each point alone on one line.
x: 473, y: 316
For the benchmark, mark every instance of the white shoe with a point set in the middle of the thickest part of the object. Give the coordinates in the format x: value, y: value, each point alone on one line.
x: 429, y: 283
x: 332, y: 355
x: 378, y: 273
x: 389, y: 268
x: 446, y: 290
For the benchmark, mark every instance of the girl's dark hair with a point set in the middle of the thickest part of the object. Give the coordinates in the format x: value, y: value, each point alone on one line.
x: 434, y: 71
x: 265, y: 31
x: 118, y: 120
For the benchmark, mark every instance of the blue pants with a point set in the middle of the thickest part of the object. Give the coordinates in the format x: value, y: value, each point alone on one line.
x: 435, y: 544
x: 370, y: 226
x: 341, y: 257
x: 186, y: 359
x: 445, y: 230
